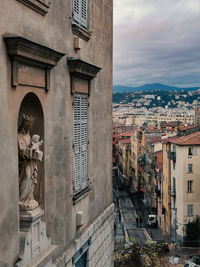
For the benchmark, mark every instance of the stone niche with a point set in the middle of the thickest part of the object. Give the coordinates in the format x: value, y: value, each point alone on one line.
x: 31, y: 106
x: 35, y: 247
x: 81, y: 74
x: 31, y: 62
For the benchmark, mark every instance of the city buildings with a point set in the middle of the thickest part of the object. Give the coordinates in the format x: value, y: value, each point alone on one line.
x: 184, y: 186
x: 164, y: 172
x: 56, y: 104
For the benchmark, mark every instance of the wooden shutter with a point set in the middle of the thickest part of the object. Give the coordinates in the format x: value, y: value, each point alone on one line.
x: 84, y: 13
x: 76, y: 11
x: 80, y: 133
x: 80, y: 12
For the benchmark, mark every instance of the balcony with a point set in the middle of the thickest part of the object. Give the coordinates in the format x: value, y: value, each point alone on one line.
x: 157, y: 191
x: 141, y: 160
x: 172, y: 191
x: 172, y: 155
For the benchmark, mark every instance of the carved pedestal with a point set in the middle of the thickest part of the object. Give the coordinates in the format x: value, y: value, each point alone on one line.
x: 35, y: 246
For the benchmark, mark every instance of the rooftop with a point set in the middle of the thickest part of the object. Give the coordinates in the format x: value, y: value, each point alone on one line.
x: 191, y: 139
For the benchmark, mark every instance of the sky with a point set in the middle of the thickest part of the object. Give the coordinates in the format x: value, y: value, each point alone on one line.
x: 156, y: 41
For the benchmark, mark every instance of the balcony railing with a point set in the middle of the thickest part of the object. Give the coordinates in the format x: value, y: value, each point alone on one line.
x: 157, y: 191
x: 172, y: 155
x: 172, y: 191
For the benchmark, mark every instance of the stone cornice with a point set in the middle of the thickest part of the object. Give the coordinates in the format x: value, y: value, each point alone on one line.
x: 39, y: 6
x: 82, y: 69
x: 21, y: 49
x: 29, y: 54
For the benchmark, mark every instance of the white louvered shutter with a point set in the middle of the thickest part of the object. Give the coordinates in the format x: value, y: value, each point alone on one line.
x: 84, y: 13
x: 80, y: 134
x: 76, y: 11
x: 80, y: 12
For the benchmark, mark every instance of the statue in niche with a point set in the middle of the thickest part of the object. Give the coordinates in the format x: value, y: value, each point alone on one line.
x: 29, y: 155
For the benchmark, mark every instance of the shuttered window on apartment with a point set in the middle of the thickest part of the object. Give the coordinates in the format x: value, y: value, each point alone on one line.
x: 80, y: 12
x: 80, y: 145
x: 190, y: 210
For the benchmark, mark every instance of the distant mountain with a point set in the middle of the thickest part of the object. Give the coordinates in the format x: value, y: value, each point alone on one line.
x: 150, y: 87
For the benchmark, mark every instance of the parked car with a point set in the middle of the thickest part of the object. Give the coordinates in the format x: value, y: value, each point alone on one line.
x: 152, y: 220
x: 194, y: 263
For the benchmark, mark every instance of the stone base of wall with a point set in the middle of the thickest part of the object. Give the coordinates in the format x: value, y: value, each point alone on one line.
x: 101, y: 236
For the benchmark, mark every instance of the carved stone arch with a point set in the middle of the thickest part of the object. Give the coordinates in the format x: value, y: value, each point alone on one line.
x: 32, y: 106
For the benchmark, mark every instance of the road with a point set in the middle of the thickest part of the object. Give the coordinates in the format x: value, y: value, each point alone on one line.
x: 126, y: 218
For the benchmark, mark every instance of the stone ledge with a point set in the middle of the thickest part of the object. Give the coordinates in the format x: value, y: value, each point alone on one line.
x: 82, y: 69
x: 39, y: 6
x: 78, y: 197
x: 82, y: 33
x: 44, y: 257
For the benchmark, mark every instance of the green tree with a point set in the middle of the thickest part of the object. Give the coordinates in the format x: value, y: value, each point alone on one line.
x: 138, y: 255
x: 192, y: 238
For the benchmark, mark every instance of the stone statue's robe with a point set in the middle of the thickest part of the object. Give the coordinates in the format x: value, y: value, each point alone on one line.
x: 27, y: 171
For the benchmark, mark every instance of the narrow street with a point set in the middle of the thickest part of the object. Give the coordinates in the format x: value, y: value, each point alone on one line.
x: 126, y: 227
x: 126, y: 212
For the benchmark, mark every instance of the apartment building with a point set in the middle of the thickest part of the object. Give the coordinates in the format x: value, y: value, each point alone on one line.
x: 184, y: 155
x: 56, y: 120
x: 166, y: 199
x: 136, y: 148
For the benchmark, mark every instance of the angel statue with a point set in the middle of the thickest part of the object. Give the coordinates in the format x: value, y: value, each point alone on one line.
x: 29, y: 155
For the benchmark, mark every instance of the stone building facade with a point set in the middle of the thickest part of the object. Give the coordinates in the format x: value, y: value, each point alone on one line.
x: 56, y: 66
x: 184, y: 183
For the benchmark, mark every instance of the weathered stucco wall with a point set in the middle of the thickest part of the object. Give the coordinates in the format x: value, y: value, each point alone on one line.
x: 54, y: 31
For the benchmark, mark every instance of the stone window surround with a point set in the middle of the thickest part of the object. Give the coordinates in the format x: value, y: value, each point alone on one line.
x: 40, y: 6
x: 28, y: 53
x: 85, y: 72
x: 190, y: 168
x: 190, y: 210
x: 190, y: 186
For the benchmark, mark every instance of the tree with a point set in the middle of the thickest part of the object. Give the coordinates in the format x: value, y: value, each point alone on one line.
x: 139, y: 255
x: 192, y: 238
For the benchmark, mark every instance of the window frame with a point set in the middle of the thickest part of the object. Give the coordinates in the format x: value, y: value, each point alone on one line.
x: 192, y: 151
x: 190, y: 168
x: 80, y: 146
x: 190, y: 186
x: 190, y: 210
x: 81, y: 16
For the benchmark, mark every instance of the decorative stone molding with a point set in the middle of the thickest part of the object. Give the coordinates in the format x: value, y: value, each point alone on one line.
x: 40, y: 6
x: 35, y: 247
x: 81, y: 74
x: 31, y: 62
x: 82, y: 69
x: 82, y: 33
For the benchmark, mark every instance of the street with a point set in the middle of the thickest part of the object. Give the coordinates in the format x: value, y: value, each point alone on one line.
x: 126, y: 212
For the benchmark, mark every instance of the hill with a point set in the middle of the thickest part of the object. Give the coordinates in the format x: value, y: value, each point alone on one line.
x: 150, y: 87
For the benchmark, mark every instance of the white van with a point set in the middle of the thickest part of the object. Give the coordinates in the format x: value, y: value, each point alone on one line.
x: 152, y: 220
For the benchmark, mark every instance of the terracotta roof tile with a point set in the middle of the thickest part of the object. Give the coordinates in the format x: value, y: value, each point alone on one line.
x: 191, y: 139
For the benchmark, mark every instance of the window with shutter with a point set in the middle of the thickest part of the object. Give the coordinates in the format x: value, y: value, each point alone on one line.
x: 80, y: 135
x: 80, y: 12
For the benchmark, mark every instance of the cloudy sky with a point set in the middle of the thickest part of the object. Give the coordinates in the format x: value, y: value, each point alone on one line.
x: 157, y: 41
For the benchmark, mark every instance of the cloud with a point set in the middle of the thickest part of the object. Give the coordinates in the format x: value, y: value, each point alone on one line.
x: 157, y: 41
